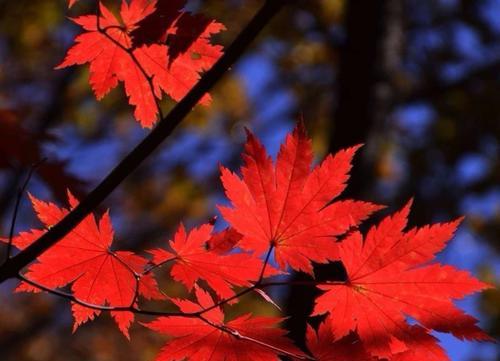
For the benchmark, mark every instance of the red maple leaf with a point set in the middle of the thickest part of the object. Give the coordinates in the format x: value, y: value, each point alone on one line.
x: 388, y: 279
x: 198, y: 340
x: 193, y: 262
x: 114, y: 57
x: 324, y: 347
x: 419, y: 345
x: 289, y: 206
x: 84, y: 259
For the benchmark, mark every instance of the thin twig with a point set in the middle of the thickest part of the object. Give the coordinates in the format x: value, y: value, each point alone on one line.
x: 80, y: 302
x: 311, y: 283
x: 266, y: 261
x: 135, y: 299
x: 20, y: 194
x: 133, y: 308
x: 243, y: 292
x: 237, y: 295
x: 137, y: 277
x: 157, y: 265
x: 237, y: 335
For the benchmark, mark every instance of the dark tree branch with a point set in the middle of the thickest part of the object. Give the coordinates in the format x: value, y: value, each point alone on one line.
x: 134, y: 159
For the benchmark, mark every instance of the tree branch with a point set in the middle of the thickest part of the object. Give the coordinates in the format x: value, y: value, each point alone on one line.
x: 164, y: 129
x: 72, y: 298
x: 132, y: 308
x: 154, y: 266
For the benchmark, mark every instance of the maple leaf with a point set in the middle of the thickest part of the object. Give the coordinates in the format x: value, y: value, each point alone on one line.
x: 193, y: 261
x: 198, y: 340
x: 114, y: 57
x: 84, y: 259
x: 419, y: 345
x: 387, y: 281
x: 288, y: 206
x: 325, y: 347
x: 109, y: 58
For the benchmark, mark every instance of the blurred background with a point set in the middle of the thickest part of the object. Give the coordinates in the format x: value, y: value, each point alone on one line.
x: 416, y: 81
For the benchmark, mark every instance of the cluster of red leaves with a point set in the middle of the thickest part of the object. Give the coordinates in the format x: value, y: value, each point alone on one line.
x: 286, y: 212
x: 153, y: 48
x: 197, y: 339
x: 84, y: 259
x: 289, y: 209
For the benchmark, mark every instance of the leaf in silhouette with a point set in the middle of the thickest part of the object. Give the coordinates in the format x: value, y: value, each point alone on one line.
x: 289, y: 205
x: 21, y: 148
x: 389, y: 278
